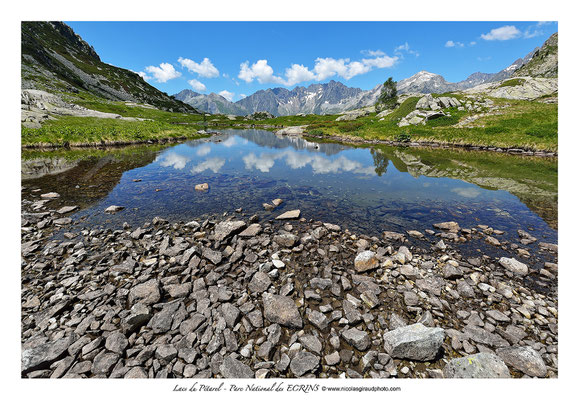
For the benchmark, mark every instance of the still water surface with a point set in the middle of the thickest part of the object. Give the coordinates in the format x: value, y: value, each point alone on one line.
x: 367, y: 190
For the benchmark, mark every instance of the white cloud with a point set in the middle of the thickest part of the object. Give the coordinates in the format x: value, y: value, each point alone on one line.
x: 298, y: 73
x: 198, y: 86
x: 174, y: 160
x: 373, y: 53
x: 405, y: 48
x: 535, y: 30
x: 205, y: 69
x: 230, y: 142
x: 451, y: 43
x: 203, y: 150
x: 227, y: 95
x: 472, y: 43
x: 296, y: 160
x: 506, y: 32
x: 142, y: 74
x: 242, y: 95
x: 163, y: 72
x: 323, y: 68
x: 213, y: 164
x: 260, y: 71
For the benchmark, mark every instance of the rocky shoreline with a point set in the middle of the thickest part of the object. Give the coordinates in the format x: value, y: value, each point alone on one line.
x: 233, y: 297
x: 435, y: 145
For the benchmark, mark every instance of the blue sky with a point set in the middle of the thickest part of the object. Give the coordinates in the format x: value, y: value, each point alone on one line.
x: 239, y: 58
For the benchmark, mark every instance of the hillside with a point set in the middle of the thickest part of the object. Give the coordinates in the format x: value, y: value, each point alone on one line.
x: 544, y: 62
x: 56, y: 60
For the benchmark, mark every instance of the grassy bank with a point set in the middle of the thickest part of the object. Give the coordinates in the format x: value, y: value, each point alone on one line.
x: 529, y: 125
x: 521, y: 124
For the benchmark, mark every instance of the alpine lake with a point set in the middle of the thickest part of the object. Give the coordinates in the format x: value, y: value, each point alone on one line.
x: 367, y: 190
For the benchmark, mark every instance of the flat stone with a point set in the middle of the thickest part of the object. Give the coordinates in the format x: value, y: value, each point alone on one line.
x: 51, y: 195
x: 304, y: 362
x: 43, y: 355
x: 281, y: 310
x: 66, y: 209
x: 366, y: 261
x: 524, y: 359
x: 227, y: 228
x: 212, y: 255
x: 235, y: 369
x: 317, y: 319
x: 514, y: 266
x: 251, y: 231
x: 333, y: 358
x: 231, y: 314
x: 293, y: 214
x: 477, y: 366
x: 414, y: 342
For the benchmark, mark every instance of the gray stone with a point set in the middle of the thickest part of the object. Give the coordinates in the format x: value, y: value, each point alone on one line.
x: 212, y: 255
x: 317, y: 319
x: 304, y: 362
x: 260, y: 282
x: 43, y: 355
x: 116, y: 342
x: 514, y: 266
x: 227, y: 228
x: 103, y: 363
x: 114, y: 209
x: 166, y: 353
x: 235, y: 369
x: 281, y: 310
x: 357, y: 338
x: 251, y: 231
x: 477, y: 366
x: 333, y: 358
x: 524, y: 359
x: 231, y: 314
x: 311, y: 343
x: 145, y: 293
x: 414, y: 342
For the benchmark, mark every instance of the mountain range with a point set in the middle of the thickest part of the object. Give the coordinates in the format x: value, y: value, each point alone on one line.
x: 334, y: 97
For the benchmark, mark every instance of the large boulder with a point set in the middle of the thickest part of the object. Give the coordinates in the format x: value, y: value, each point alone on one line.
x: 43, y: 355
x: 414, y: 342
x: 480, y: 365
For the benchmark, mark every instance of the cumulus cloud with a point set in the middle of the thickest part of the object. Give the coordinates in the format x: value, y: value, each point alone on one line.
x: 203, y: 150
x: 324, y: 68
x: 205, y: 69
x: 213, y: 164
x: 198, y: 86
x: 163, y: 72
x: 506, y: 32
x: 227, y: 95
x: 242, y: 95
x: 174, y: 160
x: 230, y: 142
x: 260, y: 71
x: 296, y: 160
x: 451, y: 43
